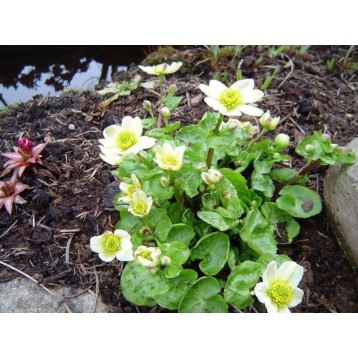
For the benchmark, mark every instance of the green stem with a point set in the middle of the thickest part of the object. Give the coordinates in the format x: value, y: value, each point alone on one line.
x: 177, y: 194
x: 143, y: 160
x: 209, y: 157
x: 257, y: 138
x: 303, y: 171
x: 161, y: 82
x: 218, y: 192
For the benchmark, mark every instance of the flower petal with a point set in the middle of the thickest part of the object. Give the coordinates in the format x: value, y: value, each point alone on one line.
x: 270, y: 272
x: 8, y: 204
x: 242, y: 85
x: 125, y: 255
x: 38, y: 149
x: 252, y: 96
x: 133, y: 124
x: 147, y: 69
x: 250, y: 110
x: 112, y: 131
x: 261, y: 291
x: 145, y: 142
x: 290, y: 272
x: 122, y: 234
x: 270, y: 306
x: 297, y: 297
x: 123, y: 187
x: 96, y: 243
x: 283, y: 310
x: 215, y: 104
x: 106, y: 257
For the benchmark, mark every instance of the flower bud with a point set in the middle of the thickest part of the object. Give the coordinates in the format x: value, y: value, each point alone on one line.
x: 165, y: 182
x: 165, y: 112
x: 201, y: 166
x: 137, y: 79
x: 201, y: 188
x: 212, y: 176
x: 253, y: 130
x: 145, y: 231
x: 268, y: 122
x: 232, y: 124
x: 172, y: 89
x: 226, y: 194
x: 344, y: 150
x: 247, y: 125
x: 179, y: 182
x: 147, y: 256
x: 165, y: 260
x: 147, y: 105
x: 282, y: 141
x: 309, y: 148
x: 325, y: 137
x: 334, y: 146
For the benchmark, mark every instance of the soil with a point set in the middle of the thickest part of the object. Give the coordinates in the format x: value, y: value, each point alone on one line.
x: 70, y: 198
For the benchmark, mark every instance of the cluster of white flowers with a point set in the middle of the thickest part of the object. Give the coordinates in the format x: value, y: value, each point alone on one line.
x: 278, y: 290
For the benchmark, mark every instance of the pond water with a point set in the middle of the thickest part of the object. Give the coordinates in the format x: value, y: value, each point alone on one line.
x: 26, y: 71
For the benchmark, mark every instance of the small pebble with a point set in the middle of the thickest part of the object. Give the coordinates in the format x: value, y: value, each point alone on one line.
x: 71, y: 127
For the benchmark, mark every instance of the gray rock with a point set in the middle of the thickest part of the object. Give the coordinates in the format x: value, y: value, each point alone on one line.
x: 23, y: 295
x: 341, y: 199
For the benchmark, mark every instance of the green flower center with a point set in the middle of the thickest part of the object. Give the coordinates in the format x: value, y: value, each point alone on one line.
x: 146, y: 255
x: 126, y: 138
x: 111, y: 243
x: 230, y: 98
x: 170, y: 160
x: 140, y: 207
x: 280, y: 293
x: 130, y: 190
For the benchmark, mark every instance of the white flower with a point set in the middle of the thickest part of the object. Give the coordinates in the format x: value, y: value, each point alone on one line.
x: 279, y: 290
x: 268, y: 122
x: 110, y: 245
x: 140, y: 204
x: 235, y: 100
x: 110, y: 156
x: 129, y: 188
x: 212, y: 176
x: 147, y: 256
x: 169, y: 158
x: 123, y: 139
x: 162, y: 69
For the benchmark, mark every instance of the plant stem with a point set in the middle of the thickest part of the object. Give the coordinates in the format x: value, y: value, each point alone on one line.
x: 161, y: 82
x: 258, y: 137
x: 178, y: 196
x: 210, y: 155
x: 303, y: 171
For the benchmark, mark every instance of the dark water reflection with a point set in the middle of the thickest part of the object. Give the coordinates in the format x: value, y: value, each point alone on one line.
x: 29, y: 70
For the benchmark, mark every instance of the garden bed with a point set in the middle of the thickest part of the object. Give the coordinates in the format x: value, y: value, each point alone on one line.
x: 71, y: 196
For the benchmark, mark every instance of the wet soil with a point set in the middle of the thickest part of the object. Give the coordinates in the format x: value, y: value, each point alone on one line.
x: 70, y: 196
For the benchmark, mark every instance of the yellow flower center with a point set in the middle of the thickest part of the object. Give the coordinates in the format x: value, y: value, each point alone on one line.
x: 111, y: 243
x: 280, y: 293
x: 140, y: 207
x: 170, y: 160
x: 130, y: 190
x: 146, y: 255
x: 126, y: 138
x: 230, y: 98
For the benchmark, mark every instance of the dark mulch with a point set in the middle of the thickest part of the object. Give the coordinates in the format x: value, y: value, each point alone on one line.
x: 70, y: 200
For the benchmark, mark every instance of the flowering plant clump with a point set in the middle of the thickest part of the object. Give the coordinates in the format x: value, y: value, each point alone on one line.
x: 208, y: 205
x: 24, y: 156
x: 9, y: 193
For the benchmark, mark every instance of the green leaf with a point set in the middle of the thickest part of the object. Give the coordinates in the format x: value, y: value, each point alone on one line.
x: 192, y: 134
x: 299, y: 201
x: 239, y: 183
x: 192, y: 180
x: 286, y: 174
x: 158, y: 220
x: 140, y: 284
x: 240, y: 283
x: 276, y: 216
x: 216, y: 220
x: 153, y: 187
x: 128, y: 222
x: 178, y: 253
x: 182, y: 233
x: 209, y: 121
x: 213, y: 250
x: 178, y: 287
x: 258, y: 234
x: 188, y: 218
x: 264, y: 260
x: 148, y: 122
x: 203, y: 297
x: 172, y: 102
x: 233, y: 257
x: 262, y: 183
x: 159, y: 132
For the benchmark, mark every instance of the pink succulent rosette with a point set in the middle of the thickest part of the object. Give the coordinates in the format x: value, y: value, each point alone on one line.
x: 25, y: 155
x: 9, y: 193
